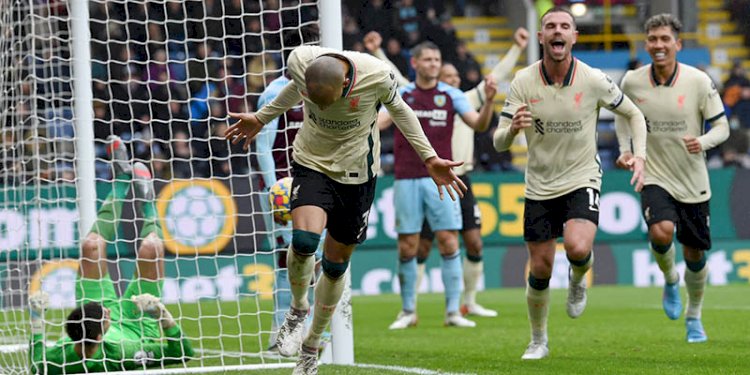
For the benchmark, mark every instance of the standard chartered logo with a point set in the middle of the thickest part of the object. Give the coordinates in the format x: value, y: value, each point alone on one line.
x: 197, y: 216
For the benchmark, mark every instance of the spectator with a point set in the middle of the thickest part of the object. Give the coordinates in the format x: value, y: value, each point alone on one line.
x: 398, y: 56
x: 203, y: 65
x: 408, y: 17
x: 226, y: 159
x: 634, y: 63
x: 448, y: 39
x: 234, y: 91
x: 181, y: 156
x: 253, y: 41
x: 261, y: 70
x: 351, y: 32
x: 737, y: 95
x: 468, y: 66
x: 376, y: 15
x: 12, y: 171
x: 739, y: 11
x: 156, y: 72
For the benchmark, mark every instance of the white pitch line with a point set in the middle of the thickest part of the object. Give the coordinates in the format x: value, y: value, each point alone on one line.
x: 266, y: 354
x: 266, y: 366
x: 705, y: 307
x: 402, y: 369
x: 406, y: 370
x: 195, y: 370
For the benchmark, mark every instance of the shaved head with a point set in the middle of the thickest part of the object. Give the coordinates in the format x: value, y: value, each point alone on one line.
x: 325, y: 79
x: 449, y: 74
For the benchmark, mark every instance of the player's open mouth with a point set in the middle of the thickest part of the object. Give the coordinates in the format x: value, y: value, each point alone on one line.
x: 659, y: 55
x: 558, y: 46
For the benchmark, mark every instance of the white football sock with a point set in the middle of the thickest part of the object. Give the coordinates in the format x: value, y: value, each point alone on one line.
x: 472, y: 272
x: 538, y: 305
x: 300, y: 269
x: 327, y: 295
x: 579, y: 272
x: 666, y: 264
x: 695, y: 283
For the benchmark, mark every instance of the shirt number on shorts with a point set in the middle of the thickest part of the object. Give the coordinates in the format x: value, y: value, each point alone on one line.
x: 593, y: 199
x: 365, y: 218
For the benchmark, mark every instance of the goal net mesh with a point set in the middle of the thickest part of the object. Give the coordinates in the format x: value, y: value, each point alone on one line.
x: 164, y: 76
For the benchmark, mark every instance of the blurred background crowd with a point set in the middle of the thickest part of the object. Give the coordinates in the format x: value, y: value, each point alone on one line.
x: 165, y: 74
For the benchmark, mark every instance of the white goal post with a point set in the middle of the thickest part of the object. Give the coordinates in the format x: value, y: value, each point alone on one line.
x: 162, y: 75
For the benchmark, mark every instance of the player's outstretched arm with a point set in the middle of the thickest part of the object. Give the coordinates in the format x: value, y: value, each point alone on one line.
x: 504, y: 68
x: 250, y: 124
x: 265, y: 139
x: 246, y: 128
x: 441, y: 171
x: 405, y: 119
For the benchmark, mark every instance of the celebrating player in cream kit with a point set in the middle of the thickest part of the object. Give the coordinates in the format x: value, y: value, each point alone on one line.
x: 676, y: 99
x: 556, y: 103
x: 336, y: 160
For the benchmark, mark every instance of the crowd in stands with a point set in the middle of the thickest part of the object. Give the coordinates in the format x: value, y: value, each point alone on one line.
x: 735, y: 151
x: 739, y: 11
x: 165, y: 75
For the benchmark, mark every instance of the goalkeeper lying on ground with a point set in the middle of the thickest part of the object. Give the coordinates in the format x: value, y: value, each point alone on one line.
x: 105, y: 332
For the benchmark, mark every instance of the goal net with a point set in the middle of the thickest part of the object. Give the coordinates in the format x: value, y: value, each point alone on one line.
x: 162, y: 75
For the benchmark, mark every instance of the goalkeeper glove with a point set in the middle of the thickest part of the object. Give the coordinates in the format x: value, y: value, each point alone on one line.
x: 152, y: 306
x: 38, y: 302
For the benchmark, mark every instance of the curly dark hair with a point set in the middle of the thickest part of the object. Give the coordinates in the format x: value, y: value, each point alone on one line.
x: 664, y: 19
x: 85, y: 322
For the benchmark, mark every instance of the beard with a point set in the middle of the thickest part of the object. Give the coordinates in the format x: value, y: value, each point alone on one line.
x: 554, y: 57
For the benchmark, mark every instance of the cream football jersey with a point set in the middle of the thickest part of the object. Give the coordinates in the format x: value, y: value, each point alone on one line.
x: 675, y: 109
x: 562, y: 139
x: 343, y: 141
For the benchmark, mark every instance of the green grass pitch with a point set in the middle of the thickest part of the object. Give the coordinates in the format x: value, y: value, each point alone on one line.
x: 623, y: 331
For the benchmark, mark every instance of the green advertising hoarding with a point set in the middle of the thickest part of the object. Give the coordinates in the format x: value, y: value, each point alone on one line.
x: 501, y: 196
x: 45, y: 218
x: 224, y: 278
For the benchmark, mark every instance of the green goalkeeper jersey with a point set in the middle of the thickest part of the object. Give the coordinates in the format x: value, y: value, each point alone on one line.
x: 133, y: 341
x: 121, y: 349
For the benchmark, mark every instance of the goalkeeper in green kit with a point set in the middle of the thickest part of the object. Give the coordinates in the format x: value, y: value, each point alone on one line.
x: 106, y: 332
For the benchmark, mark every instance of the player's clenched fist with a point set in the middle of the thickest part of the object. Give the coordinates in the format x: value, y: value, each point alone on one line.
x: 521, y: 119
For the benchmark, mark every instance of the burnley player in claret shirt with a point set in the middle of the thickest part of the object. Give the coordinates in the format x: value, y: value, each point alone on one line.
x: 435, y: 104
